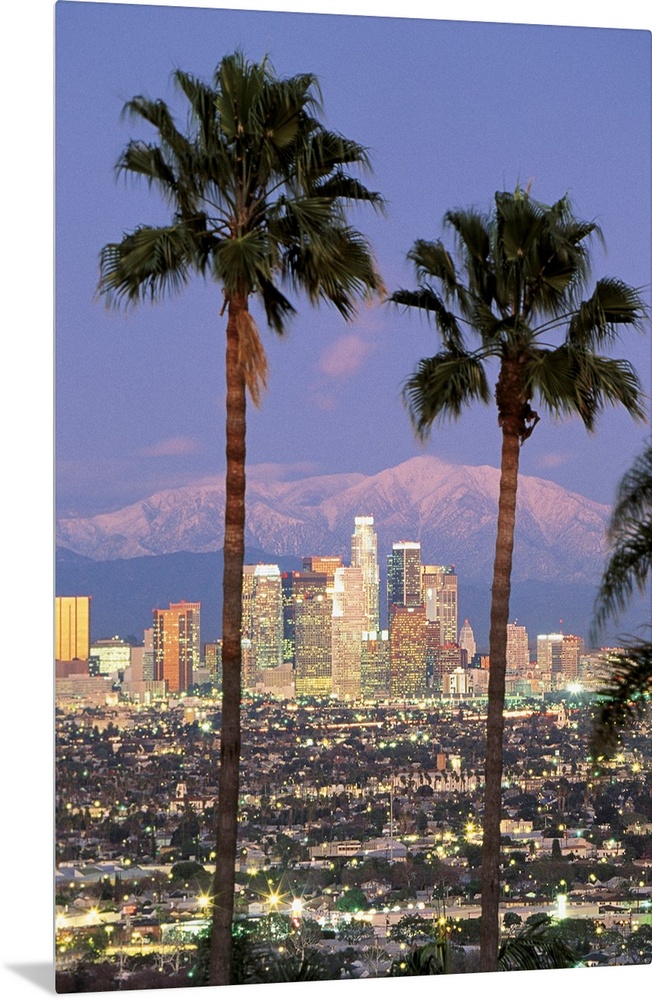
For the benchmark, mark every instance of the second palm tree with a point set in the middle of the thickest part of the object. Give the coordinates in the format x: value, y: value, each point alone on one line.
x: 514, y: 283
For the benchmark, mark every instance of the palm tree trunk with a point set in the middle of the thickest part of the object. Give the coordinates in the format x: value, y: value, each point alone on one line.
x: 500, y: 593
x: 229, y: 769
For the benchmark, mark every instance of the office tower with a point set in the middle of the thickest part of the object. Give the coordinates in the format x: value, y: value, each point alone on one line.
x: 262, y: 614
x: 572, y: 648
x: 213, y: 661
x: 467, y: 641
x: 72, y: 628
x: 439, y: 594
x: 313, y: 628
x: 113, y: 656
x: 142, y: 659
x: 518, y: 651
x: 348, y: 624
x: 296, y: 586
x: 374, y: 665
x: 404, y: 576
x: 322, y: 564
x: 407, y: 651
x: 176, y: 644
x: 549, y: 649
x: 364, y: 554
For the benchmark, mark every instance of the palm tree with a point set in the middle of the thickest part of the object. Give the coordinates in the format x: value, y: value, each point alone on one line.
x: 513, y: 283
x: 258, y: 190
x: 628, y: 689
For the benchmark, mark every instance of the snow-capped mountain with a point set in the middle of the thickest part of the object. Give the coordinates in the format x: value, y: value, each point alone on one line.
x: 450, y: 509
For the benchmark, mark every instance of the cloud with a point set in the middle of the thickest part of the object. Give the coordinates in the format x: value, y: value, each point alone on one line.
x: 345, y: 356
x: 553, y: 459
x: 171, y: 447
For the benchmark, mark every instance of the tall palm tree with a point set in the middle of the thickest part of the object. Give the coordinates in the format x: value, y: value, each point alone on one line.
x: 628, y: 688
x: 512, y: 285
x: 258, y: 189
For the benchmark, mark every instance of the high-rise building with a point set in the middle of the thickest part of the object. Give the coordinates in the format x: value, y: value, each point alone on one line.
x: 213, y: 661
x: 176, y: 644
x: 72, y: 628
x: 364, y: 554
x: 549, y: 649
x: 439, y: 594
x: 142, y: 659
x: 113, y: 656
x: 374, y: 665
x: 467, y: 641
x: 404, y: 576
x: 262, y: 614
x: 407, y: 651
x: 322, y: 564
x: 348, y: 624
x: 572, y: 649
x: 518, y: 649
x: 297, y: 586
x: 313, y: 630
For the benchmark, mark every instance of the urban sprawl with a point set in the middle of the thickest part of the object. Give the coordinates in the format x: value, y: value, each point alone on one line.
x: 361, y: 780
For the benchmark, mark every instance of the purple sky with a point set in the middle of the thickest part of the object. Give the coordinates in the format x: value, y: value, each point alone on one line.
x: 451, y: 112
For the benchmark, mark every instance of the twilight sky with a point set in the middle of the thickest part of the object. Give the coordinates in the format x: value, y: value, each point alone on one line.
x: 451, y: 112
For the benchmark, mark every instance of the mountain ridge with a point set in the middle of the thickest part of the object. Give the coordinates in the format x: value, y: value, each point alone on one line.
x: 451, y: 509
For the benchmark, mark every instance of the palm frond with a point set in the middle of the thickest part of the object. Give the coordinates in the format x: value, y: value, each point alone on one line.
x: 634, y: 497
x: 442, y: 386
x: 146, y: 263
x: 628, y: 569
x: 427, y: 300
x: 624, y: 697
x: 598, y: 320
x: 539, y: 945
x: 572, y: 381
x: 337, y: 267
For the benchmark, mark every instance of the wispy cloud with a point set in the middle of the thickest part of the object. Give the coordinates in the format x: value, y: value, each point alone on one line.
x: 281, y: 471
x: 171, y: 447
x: 553, y: 459
x: 345, y: 356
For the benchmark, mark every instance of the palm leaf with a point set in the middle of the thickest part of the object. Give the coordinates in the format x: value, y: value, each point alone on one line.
x: 597, y: 320
x: 442, y: 386
x: 623, y: 698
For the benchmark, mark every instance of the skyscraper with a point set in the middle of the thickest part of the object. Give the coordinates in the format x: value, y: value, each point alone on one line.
x: 72, y: 628
x: 549, y: 649
x: 407, y: 651
x: 518, y: 651
x: 364, y: 555
x: 313, y: 629
x: 176, y: 644
x: 297, y: 586
x: 262, y: 614
x: 439, y: 594
x: 467, y: 641
x: 349, y: 622
x: 374, y: 665
x: 322, y: 564
x: 404, y: 576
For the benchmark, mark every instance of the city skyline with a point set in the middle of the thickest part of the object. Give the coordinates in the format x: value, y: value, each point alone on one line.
x: 28, y: 955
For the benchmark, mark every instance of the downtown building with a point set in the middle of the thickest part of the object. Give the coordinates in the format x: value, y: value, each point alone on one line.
x: 262, y: 621
x: 349, y: 621
x: 364, y: 556
x: 311, y: 611
x: 407, y: 651
x: 439, y: 594
x: 72, y: 631
x: 175, y: 641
